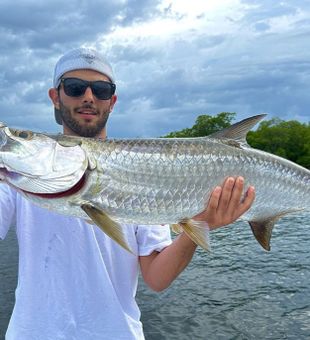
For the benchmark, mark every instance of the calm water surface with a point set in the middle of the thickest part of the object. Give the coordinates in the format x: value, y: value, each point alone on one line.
x: 238, y: 291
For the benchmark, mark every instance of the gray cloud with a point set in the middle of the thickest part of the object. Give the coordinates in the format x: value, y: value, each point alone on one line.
x: 164, y: 82
x: 32, y: 37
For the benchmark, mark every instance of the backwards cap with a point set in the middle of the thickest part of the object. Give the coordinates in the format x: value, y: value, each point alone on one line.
x: 82, y: 58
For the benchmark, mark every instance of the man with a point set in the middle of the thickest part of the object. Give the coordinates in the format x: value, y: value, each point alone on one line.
x: 74, y: 281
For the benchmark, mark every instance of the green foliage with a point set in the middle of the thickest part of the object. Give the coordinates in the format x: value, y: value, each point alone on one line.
x: 287, y: 139
x: 205, y: 125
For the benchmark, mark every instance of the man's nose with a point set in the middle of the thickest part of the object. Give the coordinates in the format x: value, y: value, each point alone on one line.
x: 88, y: 95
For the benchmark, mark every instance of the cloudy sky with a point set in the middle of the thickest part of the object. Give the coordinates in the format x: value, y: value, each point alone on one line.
x: 173, y: 60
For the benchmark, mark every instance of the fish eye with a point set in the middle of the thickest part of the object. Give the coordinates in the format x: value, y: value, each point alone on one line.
x: 22, y: 134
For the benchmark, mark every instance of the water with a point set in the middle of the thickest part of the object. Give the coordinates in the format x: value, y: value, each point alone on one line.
x: 8, y: 278
x: 238, y: 291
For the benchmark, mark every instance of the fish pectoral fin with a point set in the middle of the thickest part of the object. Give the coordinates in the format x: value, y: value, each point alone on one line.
x: 197, y: 231
x: 107, y: 225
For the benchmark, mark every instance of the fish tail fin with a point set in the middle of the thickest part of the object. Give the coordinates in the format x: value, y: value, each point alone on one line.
x: 197, y: 231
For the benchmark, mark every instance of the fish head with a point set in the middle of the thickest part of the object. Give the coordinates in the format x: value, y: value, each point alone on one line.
x: 37, y: 163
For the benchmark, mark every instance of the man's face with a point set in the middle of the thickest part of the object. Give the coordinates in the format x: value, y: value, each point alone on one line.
x: 85, y: 115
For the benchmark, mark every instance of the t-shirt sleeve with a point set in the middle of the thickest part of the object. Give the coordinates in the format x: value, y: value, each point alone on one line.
x: 152, y: 238
x: 7, y: 209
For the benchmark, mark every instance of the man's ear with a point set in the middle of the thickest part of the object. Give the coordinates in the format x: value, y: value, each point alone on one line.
x: 54, y: 95
x: 113, y: 101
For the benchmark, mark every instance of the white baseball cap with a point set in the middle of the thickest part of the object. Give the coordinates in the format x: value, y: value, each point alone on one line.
x: 82, y: 58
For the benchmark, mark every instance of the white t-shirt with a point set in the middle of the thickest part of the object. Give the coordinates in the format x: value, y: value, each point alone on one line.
x: 74, y: 282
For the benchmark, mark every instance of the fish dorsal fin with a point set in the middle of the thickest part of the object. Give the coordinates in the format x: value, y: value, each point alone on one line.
x: 107, y: 225
x: 239, y: 130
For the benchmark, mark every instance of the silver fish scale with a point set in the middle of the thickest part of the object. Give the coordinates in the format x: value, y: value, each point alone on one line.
x: 163, y: 181
x: 153, y: 181
x: 280, y: 188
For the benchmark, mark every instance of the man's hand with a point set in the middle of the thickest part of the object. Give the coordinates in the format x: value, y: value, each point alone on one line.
x: 226, y: 203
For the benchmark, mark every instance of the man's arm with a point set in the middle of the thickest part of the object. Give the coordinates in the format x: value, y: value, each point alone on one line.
x: 224, y: 207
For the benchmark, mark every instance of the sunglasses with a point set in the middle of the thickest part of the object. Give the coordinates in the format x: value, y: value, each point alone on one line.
x: 75, y: 87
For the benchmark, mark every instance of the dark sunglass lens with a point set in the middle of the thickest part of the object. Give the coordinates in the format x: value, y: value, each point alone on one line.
x: 103, y: 90
x: 74, y: 87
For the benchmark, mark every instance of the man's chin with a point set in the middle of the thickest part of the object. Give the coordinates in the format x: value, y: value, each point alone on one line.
x: 88, y: 132
x: 84, y: 129
x: 88, y: 126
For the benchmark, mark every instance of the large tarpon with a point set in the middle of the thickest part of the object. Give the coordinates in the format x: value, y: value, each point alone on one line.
x: 150, y: 181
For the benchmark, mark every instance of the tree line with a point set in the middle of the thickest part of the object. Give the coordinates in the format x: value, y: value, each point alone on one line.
x: 288, y: 139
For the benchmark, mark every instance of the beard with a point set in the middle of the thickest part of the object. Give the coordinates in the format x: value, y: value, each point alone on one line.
x: 79, y: 129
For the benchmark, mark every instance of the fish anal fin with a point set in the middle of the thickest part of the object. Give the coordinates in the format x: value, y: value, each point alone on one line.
x: 197, y: 231
x: 262, y: 231
x: 262, y: 228
x: 107, y: 225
